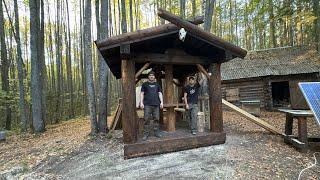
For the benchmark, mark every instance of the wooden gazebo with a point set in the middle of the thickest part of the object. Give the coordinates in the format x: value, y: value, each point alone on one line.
x: 159, y: 48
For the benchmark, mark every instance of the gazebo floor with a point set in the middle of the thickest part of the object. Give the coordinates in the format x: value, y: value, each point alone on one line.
x: 181, y: 139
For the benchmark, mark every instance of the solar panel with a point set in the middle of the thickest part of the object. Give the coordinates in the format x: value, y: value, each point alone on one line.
x: 311, y: 92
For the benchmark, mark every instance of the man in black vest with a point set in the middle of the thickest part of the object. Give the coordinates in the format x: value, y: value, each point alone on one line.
x: 151, y: 102
x: 191, y: 93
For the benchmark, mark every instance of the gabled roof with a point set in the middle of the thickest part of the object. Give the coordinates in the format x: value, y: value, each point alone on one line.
x: 273, y: 62
x: 157, y: 40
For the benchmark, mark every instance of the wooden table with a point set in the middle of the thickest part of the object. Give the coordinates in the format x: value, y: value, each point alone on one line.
x: 302, y: 141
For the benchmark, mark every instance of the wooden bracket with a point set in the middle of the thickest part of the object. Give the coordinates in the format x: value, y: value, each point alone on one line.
x: 145, y: 66
x: 203, y: 70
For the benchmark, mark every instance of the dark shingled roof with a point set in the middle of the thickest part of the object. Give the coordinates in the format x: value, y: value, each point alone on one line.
x: 158, y: 40
x: 273, y: 62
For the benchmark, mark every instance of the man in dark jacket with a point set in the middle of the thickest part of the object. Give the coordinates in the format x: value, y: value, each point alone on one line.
x: 151, y: 102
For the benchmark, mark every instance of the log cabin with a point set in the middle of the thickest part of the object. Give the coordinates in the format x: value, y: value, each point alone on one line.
x: 271, y: 76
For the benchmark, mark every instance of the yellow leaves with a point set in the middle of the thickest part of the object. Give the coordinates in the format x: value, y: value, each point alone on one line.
x: 30, y: 149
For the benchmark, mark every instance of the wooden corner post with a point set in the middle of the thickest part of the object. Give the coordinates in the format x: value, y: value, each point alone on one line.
x: 170, y: 121
x: 129, y: 121
x: 215, y: 98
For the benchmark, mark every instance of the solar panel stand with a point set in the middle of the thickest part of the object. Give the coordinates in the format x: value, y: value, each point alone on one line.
x: 302, y: 142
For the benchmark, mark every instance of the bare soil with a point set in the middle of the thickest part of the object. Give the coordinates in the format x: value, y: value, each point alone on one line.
x: 65, y: 151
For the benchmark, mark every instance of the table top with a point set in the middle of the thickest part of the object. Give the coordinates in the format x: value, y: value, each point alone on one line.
x: 307, y: 113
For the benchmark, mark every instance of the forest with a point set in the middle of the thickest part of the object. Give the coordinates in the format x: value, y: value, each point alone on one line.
x: 51, y: 70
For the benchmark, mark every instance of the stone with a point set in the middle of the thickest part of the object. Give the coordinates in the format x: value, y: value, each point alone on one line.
x: 2, y: 135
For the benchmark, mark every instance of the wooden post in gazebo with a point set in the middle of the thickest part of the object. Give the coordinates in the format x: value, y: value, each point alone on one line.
x: 129, y: 121
x: 215, y: 98
x: 170, y: 120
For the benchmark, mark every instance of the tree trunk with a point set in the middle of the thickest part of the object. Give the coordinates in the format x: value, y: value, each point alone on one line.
x: 299, y: 23
x: 182, y: 9
x: 38, y: 123
x: 42, y: 63
x: 194, y: 8
x: 273, y: 41
x: 208, y: 14
x: 103, y: 71
x: 69, y: 70
x: 123, y: 17
x: 21, y: 72
x: 4, y: 68
x: 131, y: 16
x: 316, y: 12
x: 89, y: 68
x: 58, y: 65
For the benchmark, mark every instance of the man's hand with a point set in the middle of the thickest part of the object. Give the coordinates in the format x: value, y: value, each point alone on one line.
x: 141, y: 105
x: 161, y: 105
x: 187, y: 106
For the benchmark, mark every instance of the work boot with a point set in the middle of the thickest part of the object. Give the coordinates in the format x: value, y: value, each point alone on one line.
x: 145, y: 137
x: 157, y: 133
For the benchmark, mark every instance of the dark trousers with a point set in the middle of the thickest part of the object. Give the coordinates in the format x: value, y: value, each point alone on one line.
x: 151, y: 119
x: 192, y: 113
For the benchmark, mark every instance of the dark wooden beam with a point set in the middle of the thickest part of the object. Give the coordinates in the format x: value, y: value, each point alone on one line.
x: 193, y: 29
x: 139, y: 35
x: 170, y: 59
x: 169, y: 119
x: 176, y: 141
x: 129, y: 121
x: 215, y: 99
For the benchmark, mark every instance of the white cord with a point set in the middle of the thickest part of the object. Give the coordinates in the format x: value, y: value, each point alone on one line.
x: 315, y: 163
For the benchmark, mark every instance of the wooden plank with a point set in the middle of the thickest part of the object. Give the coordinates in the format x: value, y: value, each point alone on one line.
x: 117, y: 117
x: 215, y: 99
x: 197, y: 31
x: 129, y: 121
x: 252, y: 118
x: 169, y: 119
x: 297, y: 113
x: 181, y: 141
x: 173, y: 104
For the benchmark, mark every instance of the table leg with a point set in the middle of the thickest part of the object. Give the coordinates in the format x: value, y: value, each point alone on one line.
x: 289, y: 122
x: 302, y: 129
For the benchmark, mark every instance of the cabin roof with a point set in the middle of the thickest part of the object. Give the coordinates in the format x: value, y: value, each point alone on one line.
x: 273, y: 62
x: 159, y: 39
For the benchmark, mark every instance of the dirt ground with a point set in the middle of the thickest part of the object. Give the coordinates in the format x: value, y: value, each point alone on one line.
x: 65, y: 151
